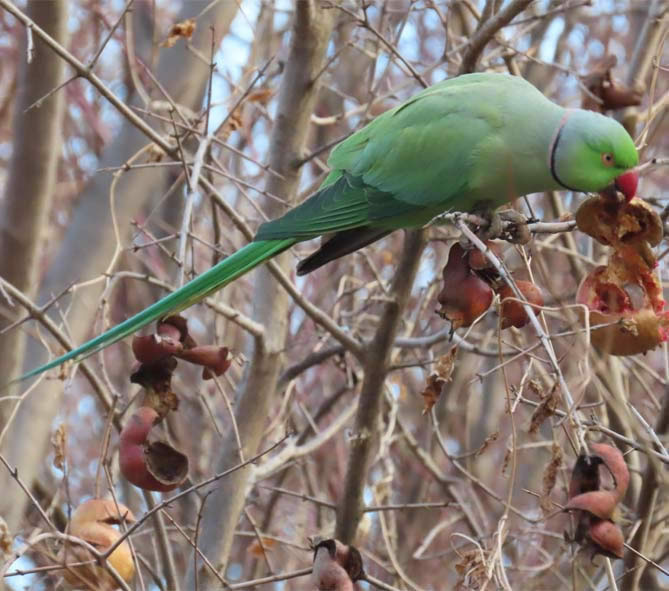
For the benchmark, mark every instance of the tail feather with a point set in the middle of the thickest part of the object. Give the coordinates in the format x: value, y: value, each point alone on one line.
x: 229, y: 269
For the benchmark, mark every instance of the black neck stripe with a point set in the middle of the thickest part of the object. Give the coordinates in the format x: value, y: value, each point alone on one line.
x: 553, y: 154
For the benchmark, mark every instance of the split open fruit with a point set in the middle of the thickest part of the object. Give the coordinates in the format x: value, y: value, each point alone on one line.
x: 625, y: 294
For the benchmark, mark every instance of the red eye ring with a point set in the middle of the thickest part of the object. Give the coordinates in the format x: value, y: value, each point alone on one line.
x: 607, y: 159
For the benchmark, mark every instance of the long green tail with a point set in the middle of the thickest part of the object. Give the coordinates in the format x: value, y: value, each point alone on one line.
x: 229, y: 269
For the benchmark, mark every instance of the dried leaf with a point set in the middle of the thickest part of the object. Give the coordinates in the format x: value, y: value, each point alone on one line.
x: 445, y: 364
x: 155, y: 153
x: 184, y: 29
x: 488, y: 440
x: 544, y: 410
x: 431, y: 393
x: 5, y: 540
x: 472, y: 570
x: 58, y: 440
x: 536, y: 387
x: 549, y: 478
x: 261, y: 95
x: 233, y: 123
x: 507, y: 459
x: 443, y: 369
x: 255, y: 549
x: 162, y: 401
x: 387, y: 257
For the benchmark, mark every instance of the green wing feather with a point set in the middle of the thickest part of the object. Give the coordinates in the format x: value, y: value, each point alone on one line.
x: 227, y: 270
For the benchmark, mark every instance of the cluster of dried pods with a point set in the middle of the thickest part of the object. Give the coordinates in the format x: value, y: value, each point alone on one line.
x: 596, y: 506
x: 156, y: 465
x: 625, y: 294
x: 336, y: 566
x: 470, y: 283
x: 144, y: 461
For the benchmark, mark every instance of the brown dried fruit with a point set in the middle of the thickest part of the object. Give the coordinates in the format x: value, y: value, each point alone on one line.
x: 627, y: 295
x: 152, y: 348
x: 584, y: 475
x: 512, y: 311
x: 149, y: 465
x: 155, y: 376
x: 93, y: 522
x: 600, y: 503
x: 478, y: 261
x: 431, y: 392
x: 167, y: 325
x: 611, y: 93
x: 464, y: 296
x: 619, y: 223
x: 606, y: 538
x: 615, y: 462
x: 215, y: 360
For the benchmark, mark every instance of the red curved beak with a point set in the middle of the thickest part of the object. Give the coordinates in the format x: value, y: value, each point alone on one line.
x: 627, y: 183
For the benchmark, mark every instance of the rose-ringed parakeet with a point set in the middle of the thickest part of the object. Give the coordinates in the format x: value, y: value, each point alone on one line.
x: 471, y: 142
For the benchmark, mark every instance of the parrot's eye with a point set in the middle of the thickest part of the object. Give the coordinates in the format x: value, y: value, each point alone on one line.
x: 607, y: 159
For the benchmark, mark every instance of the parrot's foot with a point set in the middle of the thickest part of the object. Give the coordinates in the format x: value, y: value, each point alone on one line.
x: 507, y: 224
x: 515, y: 226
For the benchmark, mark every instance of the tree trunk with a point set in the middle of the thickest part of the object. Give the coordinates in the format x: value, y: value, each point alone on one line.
x: 88, y: 246
x: 25, y: 208
x: 310, y: 35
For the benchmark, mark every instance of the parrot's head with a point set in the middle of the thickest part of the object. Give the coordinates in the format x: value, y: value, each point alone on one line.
x: 591, y: 152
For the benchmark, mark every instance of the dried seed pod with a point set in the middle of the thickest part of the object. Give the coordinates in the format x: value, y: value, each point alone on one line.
x: 600, y: 503
x: 169, y: 331
x: 614, y: 461
x: 155, y: 376
x: 584, y: 475
x: 477, y: 259
x: 149, y: 465
x: 215, y: 360
x: 336, y: 566
x: 464, y: 296
x: 93, y: 522
x: 606, y: 538
x: 152, y: 348
x: 512, y: 311
x: 176, y: 327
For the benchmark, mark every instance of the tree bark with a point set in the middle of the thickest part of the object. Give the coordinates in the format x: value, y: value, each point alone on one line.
x: 310, y: 34
x: 25, y: 208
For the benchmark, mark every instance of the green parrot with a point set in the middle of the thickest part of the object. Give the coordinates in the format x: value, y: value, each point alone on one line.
x: 468, y: 143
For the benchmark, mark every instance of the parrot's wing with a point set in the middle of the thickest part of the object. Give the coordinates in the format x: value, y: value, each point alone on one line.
x: 427, y: 150
x: 341, y: 204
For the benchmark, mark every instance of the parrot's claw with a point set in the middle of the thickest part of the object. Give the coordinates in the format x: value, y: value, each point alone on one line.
x: 515, y: 227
